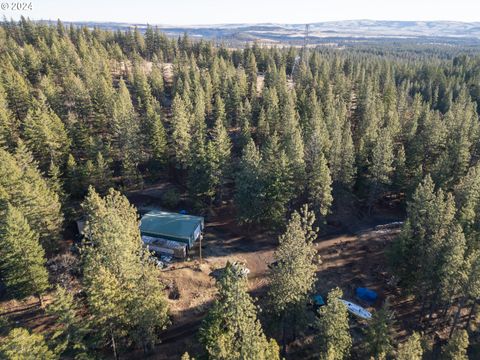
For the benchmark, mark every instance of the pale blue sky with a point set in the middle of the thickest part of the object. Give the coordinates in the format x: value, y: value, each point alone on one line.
x: 184, y: 12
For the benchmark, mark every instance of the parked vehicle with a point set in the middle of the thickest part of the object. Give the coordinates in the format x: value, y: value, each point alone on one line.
x: 357, y: 310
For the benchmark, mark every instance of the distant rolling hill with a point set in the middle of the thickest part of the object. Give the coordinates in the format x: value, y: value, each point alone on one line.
x: 321, y: 32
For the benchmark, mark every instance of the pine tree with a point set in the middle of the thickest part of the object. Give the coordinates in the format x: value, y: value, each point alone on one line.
x: 221, y: 144
x: 400, y: 179
x: 155, y: 80
x: 198, y: 120
x: 249, y: 185
x: 21, y: 344
x: 102, y: 174
x: 329, y: 104
x: 141, y: 87
x: 472, y: 285
x: 32, y: 63
x: 22, y: 258
x: 369, y: 125
x: 113, y: 211
x: 347, y: 170
x: 17, y: 91
x: 334, y: 336
x: 55, y: 181
x: 452, y: 265
x: 415, y: 253
x: 381, y: 166
x: 149, y: 310
x: 123, y: 292
x: 271, y: 105
x: 278, y: 182
x: 410, y: 349
x: 127, y: 134
x: 204, y: 173
x: 467, y: 197
x: 231, y: 330
x: 45, y: 135
x: 219, y: 110
x: 341, y: 156
x: 131, y: 174
x: 76, y: 95
x: 72, y: 177
x: 71, y: 329
x: 251, y: 71
x: 456, y: 348
x: 186, y: 356
x: 158, y: 139
x: 463, y: 130
x: 294, y: 274
x: 108, y: 305
x: 379, y: 341
x: 319, y: 186
x: 245, y: 130
x: 207, y: 87
x: 263, y: 127
x: 103, y: 104
x: 233, y: 103
x: 9, y: 127
x: 29, y: 191
x: 181, y: 137
x: 293, y: 141
x: 313, y: 124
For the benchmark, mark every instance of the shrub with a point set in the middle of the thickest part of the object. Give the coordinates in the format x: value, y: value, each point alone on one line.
x: 171, y: 198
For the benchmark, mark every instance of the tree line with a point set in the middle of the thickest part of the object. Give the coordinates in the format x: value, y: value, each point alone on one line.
x: 83, y: 111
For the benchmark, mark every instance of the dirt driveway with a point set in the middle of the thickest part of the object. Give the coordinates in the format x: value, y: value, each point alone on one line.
x: 350, y: 258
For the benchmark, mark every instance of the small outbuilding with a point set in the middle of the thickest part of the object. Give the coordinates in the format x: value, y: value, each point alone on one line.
x: 185, y: 229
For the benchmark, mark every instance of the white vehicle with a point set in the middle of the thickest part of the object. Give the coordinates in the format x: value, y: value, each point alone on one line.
x: 357, y: 310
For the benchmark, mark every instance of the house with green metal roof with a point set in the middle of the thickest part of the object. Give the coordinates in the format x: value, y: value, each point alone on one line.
x: 181, y: 228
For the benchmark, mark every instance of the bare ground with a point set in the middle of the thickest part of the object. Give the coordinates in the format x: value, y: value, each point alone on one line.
x: 352, y: 255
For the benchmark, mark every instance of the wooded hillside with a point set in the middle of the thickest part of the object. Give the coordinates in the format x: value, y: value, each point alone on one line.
x: 294, y: 140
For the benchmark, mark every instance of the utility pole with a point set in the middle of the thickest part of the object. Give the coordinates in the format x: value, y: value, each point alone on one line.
x: 305, y: 44
x: 200, y: 247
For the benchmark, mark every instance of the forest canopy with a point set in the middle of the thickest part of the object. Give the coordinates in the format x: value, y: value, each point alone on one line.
x: 290, y: 137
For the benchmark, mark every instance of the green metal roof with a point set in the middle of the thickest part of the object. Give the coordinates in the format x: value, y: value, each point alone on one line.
x: 171, y: 226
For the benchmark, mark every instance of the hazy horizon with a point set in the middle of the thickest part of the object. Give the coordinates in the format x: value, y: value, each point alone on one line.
x: 213, y: 12
x: 246, y: 23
